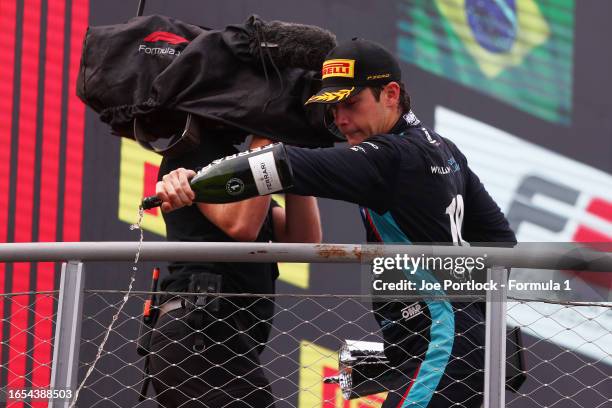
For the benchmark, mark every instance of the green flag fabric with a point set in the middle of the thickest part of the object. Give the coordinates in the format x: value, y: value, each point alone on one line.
x: 519, y: 51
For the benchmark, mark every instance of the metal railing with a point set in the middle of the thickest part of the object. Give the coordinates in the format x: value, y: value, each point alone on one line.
x: 70, y: 298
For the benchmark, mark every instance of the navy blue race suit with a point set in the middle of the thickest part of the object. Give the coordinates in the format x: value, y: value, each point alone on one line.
x: 414, y: 186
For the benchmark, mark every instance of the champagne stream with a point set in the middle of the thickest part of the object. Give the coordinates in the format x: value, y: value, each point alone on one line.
x: 138, y: 226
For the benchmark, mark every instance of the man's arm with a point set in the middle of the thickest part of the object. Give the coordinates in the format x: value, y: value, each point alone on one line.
x: 483, y: 220
x: 299, y: 221
x: 363, y: 174
x: 241, y: 220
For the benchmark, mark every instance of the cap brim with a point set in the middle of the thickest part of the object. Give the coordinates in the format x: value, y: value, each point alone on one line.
x: 333, y: 94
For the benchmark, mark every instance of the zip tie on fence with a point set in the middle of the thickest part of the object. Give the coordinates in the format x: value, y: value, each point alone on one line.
x: 116, y: 315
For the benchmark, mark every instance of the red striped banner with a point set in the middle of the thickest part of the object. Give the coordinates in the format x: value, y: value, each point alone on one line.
x: 42, y: 215
x: 24, y: 196
x: 76, y: 127
x: 8, y: 25
x: 47, y: 230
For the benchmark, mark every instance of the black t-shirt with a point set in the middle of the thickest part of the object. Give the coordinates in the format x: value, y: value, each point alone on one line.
x: 189, y: 224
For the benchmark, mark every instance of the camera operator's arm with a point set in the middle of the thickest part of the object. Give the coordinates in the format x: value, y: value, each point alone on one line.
x: 240, y: 220
x: 299, y: 221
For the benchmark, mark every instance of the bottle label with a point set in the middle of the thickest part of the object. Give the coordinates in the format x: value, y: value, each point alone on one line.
x: 265, y: 174
x: 203, y: 170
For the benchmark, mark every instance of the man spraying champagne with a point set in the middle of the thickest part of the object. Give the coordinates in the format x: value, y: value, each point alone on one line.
x: 412, y: 185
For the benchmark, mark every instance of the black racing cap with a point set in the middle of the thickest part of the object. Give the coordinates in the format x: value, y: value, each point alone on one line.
x: 352, y: 66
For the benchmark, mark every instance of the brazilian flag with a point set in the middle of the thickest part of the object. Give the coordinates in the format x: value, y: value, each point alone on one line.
x: 519, y: 51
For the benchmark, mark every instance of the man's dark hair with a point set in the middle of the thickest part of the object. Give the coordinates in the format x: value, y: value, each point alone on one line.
x: 404, y: 98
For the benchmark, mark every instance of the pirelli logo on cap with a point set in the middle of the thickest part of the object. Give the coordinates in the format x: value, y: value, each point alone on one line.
x: 338, y: 68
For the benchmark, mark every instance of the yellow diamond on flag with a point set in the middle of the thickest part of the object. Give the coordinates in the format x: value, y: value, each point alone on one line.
x: 497, y: 33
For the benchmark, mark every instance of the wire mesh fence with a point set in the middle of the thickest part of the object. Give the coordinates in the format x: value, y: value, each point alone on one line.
x: 564, y: 351
x: 28, y: 321
x: 303, y: 336
x: 568, y: 351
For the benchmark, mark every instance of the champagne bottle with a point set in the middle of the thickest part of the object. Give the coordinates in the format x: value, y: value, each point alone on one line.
x: 261, y: 171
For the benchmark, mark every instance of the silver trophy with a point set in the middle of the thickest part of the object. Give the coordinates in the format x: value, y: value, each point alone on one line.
x: 363, y: 369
